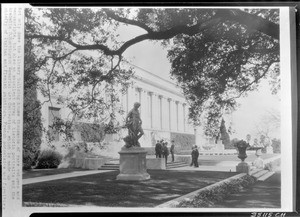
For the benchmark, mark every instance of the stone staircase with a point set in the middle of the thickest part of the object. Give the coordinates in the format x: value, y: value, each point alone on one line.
x: 176, y: 164
x: 111, y: 165
x: 114, y: 165
x: 261, y: 175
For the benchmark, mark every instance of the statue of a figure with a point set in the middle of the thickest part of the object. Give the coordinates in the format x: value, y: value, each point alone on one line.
x: 134, y: 126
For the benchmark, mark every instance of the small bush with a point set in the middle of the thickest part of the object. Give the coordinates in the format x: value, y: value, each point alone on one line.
x: 48, y: 159
x: 276, y: 143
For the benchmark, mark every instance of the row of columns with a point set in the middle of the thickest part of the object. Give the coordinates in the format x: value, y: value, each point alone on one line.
x: 157, y: 111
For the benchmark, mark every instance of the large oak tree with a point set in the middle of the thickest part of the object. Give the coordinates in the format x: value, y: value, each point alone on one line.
x: 217, y: 55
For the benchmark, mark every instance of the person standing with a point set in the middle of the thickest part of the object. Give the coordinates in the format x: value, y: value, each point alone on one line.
x: 195, y: 155
x: 172, y: 150
x: 158, y: 149
x: 165, y: 151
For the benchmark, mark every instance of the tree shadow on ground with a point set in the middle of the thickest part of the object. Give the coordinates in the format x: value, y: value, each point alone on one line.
x: 104, y: 190
x: 265, y: 194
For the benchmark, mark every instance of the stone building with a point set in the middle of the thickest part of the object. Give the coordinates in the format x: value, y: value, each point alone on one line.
x: 164, y: 112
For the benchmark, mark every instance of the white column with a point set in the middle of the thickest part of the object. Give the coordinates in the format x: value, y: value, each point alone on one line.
x: 177, y: 119
x: 143, y: 108
x: 173, y: 116
x: 160, y: 112
x: 151, y: 108
x: 169, y: 115
x: 184, y: 117
x: 165, y: 115
x: 155, y: 111
x: 138, y: 94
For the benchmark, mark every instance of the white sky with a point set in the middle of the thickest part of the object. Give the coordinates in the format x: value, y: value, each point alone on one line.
x: 152, y: 57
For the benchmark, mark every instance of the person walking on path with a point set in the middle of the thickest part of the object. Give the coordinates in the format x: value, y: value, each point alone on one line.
x: 172, y: 149
x: 195, y: 155
x: 165, y: 151
x: 158, y: 149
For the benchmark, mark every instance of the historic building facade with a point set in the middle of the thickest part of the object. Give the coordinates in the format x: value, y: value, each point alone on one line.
x: 164, y: 112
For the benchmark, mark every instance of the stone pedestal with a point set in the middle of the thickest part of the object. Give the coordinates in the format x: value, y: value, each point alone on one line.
x: 243, y: 167
x: 133, y: 164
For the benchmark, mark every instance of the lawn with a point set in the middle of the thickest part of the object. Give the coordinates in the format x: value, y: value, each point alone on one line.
x: 104, y: 190
x: 250, y: 157
x: 47, y: 172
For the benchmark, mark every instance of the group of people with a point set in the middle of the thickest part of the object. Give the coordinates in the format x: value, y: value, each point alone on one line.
x: 162, y: 150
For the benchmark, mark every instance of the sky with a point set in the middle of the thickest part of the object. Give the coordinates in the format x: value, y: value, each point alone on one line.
x: 152, y: 57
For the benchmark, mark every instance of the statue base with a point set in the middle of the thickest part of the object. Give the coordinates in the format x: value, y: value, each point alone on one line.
x: 243, y: 167
x: 133, y: 164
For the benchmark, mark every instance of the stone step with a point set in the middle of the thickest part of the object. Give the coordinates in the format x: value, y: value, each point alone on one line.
x: 265, y: 176
x: 253, y: 171
x: 260, y: 173
x: 112, y: 164
x: 176, y: 164
x: 110, y: 167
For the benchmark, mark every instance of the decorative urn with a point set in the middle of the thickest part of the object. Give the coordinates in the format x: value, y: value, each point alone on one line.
x: 242, y: 147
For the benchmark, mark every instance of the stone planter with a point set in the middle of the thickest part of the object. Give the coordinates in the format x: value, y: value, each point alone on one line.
x: 242, y: 153
x: 242, y: 167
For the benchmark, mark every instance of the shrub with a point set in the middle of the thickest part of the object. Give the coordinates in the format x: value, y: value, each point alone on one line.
x: 90, y: 132
x: 183, y: 141
x: 232, y: 144
x: 48, y: 159
x: 32, y: 123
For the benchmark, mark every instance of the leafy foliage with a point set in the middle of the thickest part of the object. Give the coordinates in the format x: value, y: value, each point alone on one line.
x: 224, y: 134
x: 217, y: 55
x: 32, y: 123
x: 90, y: 132
x: 48, y: 159
x: 183, y: 141
x: 216, y: 193
x: 219, y: 65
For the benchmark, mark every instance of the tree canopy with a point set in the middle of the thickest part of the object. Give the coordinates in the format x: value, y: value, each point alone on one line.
x: 217, y: 55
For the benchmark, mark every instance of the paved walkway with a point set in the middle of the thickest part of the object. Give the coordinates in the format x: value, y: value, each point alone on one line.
x: 62, y: 176
x: 265, y: 194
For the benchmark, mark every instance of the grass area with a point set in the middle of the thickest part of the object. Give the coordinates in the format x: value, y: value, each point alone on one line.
x: 265, y: 194
x: 233, y: 157
x: 47, y: 172
x: 104, y: 190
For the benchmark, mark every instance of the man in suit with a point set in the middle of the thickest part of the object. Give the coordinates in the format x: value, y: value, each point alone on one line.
x: 158, y: 149
x: 165, y: 151
x: 195, y: 155
x: 172, y: 150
